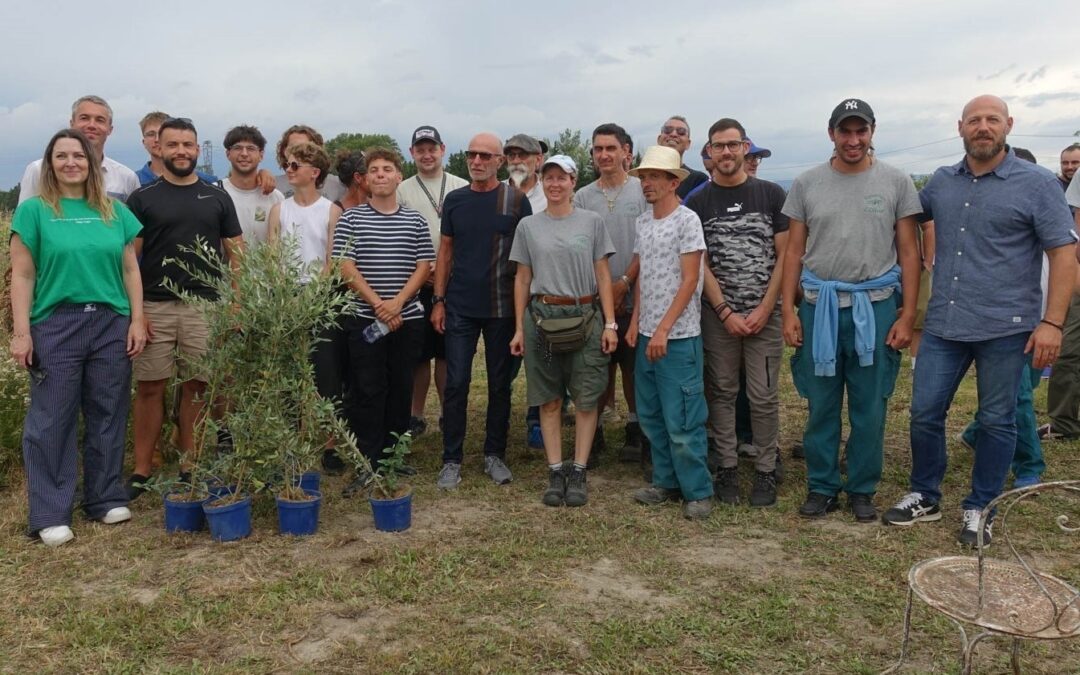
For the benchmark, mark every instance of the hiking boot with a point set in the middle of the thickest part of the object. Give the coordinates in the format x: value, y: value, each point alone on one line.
x: 631, y: 449
x: 359, y: 484
x: 862, y: 506
x: 969, y: 531
x: 818, y: 505
x: 913, y: 508
x: 797, y: 450
x: 449, y: 476
x: 133, y: 486
x: 496, y: 469
x: 577, y: 493
x: 763, y: 492
x: 697, y: 509
x: 726, y: 485
x: 555, y: 493
x: 417, y: 426
x: 654, y: 495
x: 599, y: 445
x: 534, y: 437
x: 332, y: 465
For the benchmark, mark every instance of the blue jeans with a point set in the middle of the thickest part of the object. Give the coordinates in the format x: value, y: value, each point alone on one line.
x: 461, y: 336
x: 1028, y: 461
x: 941, y: 366
x: 671, y: 409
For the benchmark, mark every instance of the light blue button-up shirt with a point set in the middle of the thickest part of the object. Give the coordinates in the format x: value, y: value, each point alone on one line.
x: 991, y: 232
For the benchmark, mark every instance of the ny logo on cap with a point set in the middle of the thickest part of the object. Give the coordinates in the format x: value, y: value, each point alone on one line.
x: 852, y: 105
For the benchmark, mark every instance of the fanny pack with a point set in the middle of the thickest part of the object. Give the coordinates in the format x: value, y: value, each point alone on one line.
x: 565, y: 334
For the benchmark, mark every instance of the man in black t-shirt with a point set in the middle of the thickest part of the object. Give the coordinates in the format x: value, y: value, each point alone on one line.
x: 178, y: 210
x: 675, y: 133
x: 474, y: 294
x: 745, y: 236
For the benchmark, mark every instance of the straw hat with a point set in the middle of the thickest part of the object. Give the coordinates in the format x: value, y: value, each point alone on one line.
x: 661, y: 158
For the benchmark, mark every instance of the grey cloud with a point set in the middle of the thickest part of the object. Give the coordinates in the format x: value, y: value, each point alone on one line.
x: 642, y: 50
x: 1020, y: 78
x: 1038, y: 74
x: 307, y: 94
x: 598, y: 57
x: 1037, y: 100
x: 994, y: 76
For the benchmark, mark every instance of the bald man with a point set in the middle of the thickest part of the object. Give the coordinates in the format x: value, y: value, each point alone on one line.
x: 994, y: 216
x: 474, y: 295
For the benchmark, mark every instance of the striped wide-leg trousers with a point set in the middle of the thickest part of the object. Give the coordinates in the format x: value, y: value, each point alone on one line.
x: 81, y: 364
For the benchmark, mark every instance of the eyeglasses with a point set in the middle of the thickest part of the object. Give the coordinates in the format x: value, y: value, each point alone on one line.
x: 244, y: 148
x: 753, y: 159
x: 293, y: 165
x: 484, y: 156
x: 730, y: 146
x: 518, y: 154
x: 678, y: 131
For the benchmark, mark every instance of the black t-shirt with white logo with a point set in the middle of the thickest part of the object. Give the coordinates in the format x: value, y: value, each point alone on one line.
x: 176, y: 217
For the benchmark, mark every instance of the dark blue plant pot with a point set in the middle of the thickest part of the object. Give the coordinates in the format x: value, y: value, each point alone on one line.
x: 299, y: 518
x: 218, y: 491
x: 309, y: 482
x: 392, y: 515
x: 229, y: 522
x: 184, y: 516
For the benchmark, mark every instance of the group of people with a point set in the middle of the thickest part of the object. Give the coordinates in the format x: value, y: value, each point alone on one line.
x: 689, y: 284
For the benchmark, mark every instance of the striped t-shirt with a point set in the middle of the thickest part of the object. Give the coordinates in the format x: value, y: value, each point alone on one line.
x: 385, y: 249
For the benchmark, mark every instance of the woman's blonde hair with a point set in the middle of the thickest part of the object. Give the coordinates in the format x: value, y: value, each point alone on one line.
x: 95, y: 193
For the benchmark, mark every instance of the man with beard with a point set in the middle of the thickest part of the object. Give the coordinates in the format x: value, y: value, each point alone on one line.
x: 851, y: 219
x: 93, y: 117
x: 745, y: 235
x: 177, y: 212
x: 149, y: 126
x: 617, y: 198
x: 244, y: 146
x: 994, y: 216
x: 474, y: 295
x: 675, y: 133
x: 1070, y: 162
x: 425, y: 193
x: 524, y: 155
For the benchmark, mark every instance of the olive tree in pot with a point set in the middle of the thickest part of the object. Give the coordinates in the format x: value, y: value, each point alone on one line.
x: 390, y: 498
x: 260, y: 381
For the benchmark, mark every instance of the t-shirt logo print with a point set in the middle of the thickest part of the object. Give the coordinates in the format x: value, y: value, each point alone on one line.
x: 851, y: 105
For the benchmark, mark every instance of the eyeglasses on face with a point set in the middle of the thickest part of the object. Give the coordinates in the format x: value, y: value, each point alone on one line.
x: 293, y: 165
x: 678, y: 131
x: 244, y: 147
x: 730, y: 146
x: 484, y: 156
x: 753, y: 159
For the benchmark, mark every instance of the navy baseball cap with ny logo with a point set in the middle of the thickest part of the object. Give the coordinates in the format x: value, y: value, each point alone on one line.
x: 851, y: 107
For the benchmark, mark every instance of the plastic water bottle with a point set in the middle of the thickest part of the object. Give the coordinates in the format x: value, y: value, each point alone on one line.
x: 376, y: 331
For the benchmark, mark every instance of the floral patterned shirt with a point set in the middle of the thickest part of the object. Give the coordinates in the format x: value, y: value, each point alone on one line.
x: 658, y: 247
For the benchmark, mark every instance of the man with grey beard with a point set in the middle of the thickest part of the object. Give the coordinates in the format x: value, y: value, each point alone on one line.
x: 524, y: 155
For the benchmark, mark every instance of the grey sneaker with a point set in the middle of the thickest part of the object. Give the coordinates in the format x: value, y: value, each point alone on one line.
x: 497, y: 469
x: 577, y: 492
x: 449, y: 477
x: 653, y: 495
x: 697, y: 509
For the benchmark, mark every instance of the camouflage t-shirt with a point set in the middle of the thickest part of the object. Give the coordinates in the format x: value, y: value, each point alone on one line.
x: 740, y: 223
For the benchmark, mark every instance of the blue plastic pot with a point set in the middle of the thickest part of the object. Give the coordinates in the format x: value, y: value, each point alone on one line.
x: 392, y: 515
x: 230, y: 521
x: 309, y: 482
x: 299, y: 518
x: 218, y: 491
x: 184, y: 516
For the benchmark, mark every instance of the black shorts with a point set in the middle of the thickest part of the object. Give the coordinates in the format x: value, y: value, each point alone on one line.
x: 434, y: 346
x: 623, y: 356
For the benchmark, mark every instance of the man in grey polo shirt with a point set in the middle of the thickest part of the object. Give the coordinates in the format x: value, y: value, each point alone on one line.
x: 994, y: 215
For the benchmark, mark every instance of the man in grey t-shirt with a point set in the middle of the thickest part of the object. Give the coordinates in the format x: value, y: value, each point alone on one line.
x: 617, y: 197
x: 850, y: 219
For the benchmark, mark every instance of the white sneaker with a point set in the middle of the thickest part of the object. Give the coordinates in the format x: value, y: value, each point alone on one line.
x: 56, y: 535
x: 116, y: 515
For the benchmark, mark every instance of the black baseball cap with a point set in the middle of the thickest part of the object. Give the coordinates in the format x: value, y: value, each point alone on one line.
x: 426, y: 133
x: 852, y: 107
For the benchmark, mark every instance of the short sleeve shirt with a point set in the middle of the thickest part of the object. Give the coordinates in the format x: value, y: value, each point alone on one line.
x: 427, y: 197
x: 1072, y: 194
x: 561, y: 252
x: 620, y: 218
x: 660, y: 245
x: 252, y: 210
x: 78, y: 257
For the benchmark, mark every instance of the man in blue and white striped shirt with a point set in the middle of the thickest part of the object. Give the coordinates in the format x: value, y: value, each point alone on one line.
x: 386, y: 253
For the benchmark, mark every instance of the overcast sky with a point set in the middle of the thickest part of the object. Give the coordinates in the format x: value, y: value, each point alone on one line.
x: 386, y: 66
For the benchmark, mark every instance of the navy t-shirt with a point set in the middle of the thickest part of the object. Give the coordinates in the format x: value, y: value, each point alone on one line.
x: 482, y: 225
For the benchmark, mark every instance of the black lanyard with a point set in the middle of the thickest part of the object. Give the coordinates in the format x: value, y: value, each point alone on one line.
x: 442, y: 192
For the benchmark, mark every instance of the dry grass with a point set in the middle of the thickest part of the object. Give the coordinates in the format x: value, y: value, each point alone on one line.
x: 489, y: 580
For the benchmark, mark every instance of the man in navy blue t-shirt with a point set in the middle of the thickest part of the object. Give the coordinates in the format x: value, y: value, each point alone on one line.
x: 474, y: 284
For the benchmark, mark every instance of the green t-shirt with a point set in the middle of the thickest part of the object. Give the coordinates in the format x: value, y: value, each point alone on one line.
x: 78, y: 257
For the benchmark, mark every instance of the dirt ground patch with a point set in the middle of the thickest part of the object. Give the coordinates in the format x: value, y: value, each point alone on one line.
x: 760, y: 557
x: 606, y: 582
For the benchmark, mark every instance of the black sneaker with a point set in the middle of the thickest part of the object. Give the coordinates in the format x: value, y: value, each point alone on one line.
x: 726, y: 485
x: 133, y: 490
x: 862, y: 506
x: 631, y: 448
x: 797, y: 450
x: 417, y: 426
x: 913, y: 508
x: 332, y: 465
x: 556, y: 490
x: 599, y: 445
x: 818, y: 505
x: 763, y: 492
x: 577, y: 493
x: 359, y: 484
x: 969, y: 531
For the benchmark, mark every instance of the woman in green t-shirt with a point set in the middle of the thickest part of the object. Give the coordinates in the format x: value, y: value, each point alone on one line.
x: 76, y: 299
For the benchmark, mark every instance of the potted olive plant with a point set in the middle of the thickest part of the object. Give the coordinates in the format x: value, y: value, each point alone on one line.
x: 390, y: 498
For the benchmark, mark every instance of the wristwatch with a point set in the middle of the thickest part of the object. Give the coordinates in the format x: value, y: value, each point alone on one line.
x: 612, y: 326
x: 436, y: 299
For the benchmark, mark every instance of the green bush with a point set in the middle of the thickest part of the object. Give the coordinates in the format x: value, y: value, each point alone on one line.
x: 14, y: 384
